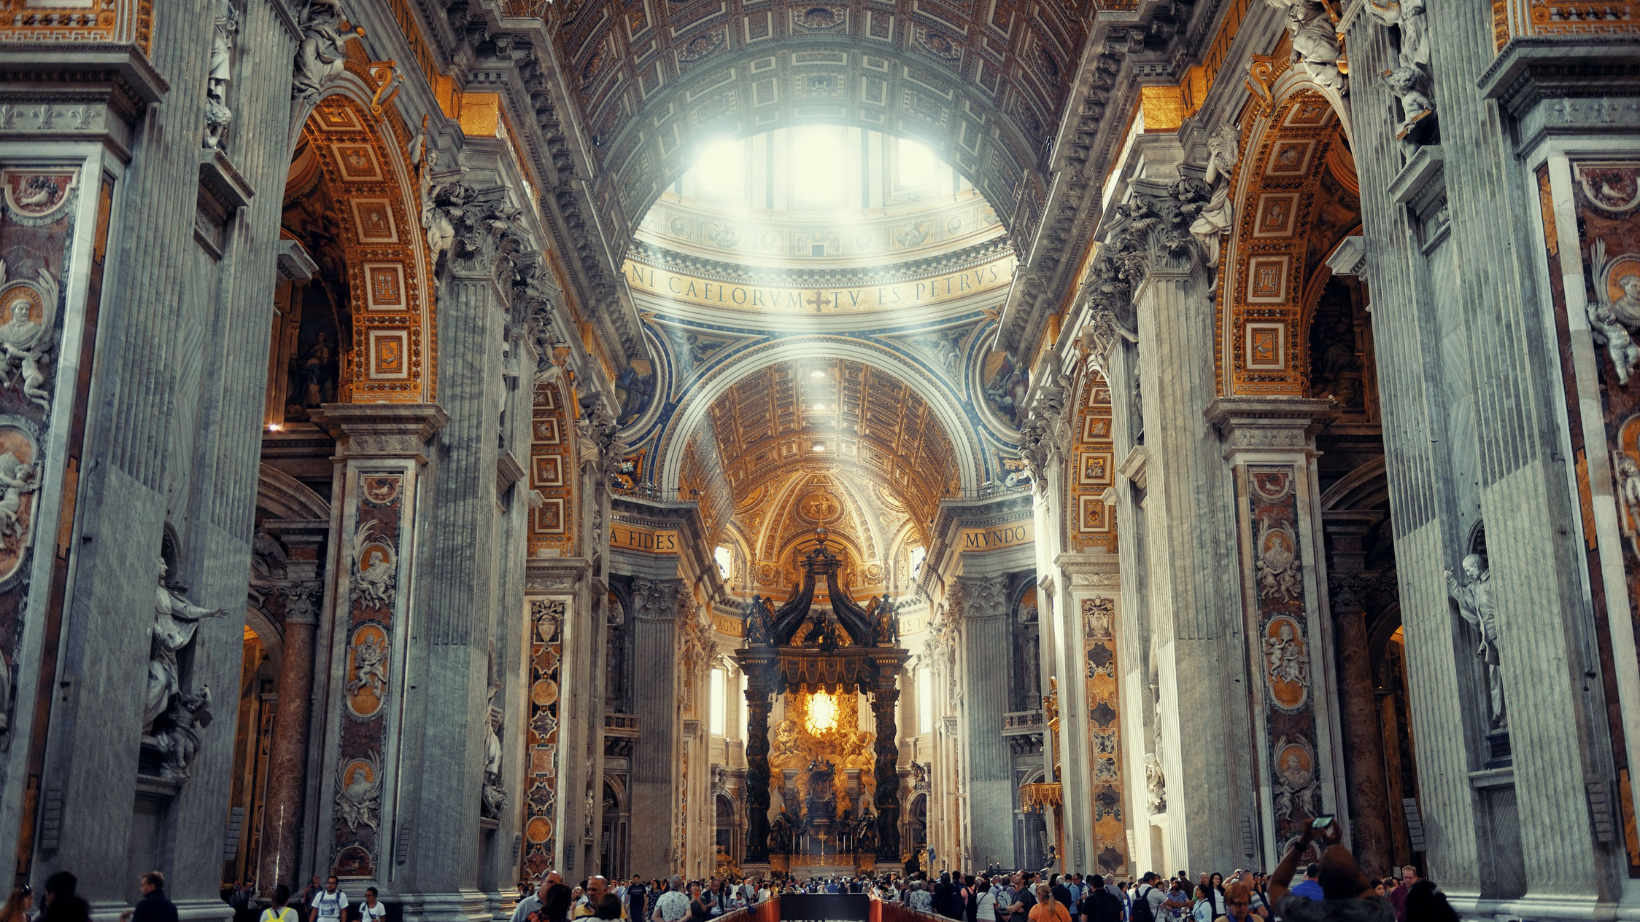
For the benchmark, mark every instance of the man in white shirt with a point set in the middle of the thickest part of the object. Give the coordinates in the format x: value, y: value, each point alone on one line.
x: 673, y: 905
x: 330, y: 904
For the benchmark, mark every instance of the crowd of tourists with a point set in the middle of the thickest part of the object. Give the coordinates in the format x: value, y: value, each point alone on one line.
x: 1332, y: 889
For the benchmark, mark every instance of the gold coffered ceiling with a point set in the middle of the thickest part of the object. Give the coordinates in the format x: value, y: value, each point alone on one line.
x: 869, y: 442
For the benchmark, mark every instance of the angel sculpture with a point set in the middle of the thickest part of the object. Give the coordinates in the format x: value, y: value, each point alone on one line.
x: 369, y: 667
x: 1613, y: 321
x: 16, y: 480
x: 25, y: 340
x: 375, y: 579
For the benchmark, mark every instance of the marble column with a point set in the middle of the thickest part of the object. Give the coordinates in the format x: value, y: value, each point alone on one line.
x: 381, y: 456
x: 655, y: 757
x: 884, y: 697
x: 1197, y: 644
x: 1357, y: 700
x: 1270, y: 444
x: 759, y: 678
x: 282, y: 808
x: 980, y: 606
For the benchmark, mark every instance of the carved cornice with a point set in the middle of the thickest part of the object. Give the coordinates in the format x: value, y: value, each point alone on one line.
x: 382, y: 430
x: 1267, y: 423
x: 852, y: 277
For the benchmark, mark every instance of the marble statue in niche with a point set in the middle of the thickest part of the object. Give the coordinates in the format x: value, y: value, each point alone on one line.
x: 170, y: 710
x: 493, y: 796
x: 219, y: 72
x: 1473, y: 594
x: 1155, y: 784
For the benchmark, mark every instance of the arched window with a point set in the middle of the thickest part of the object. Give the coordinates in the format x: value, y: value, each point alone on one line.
x: 725, y: 561
x: 918, y: 555
x: 925, y: 700
x: 719, y: 702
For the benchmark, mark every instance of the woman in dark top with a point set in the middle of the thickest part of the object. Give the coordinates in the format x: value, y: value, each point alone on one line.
x: 697, y: 905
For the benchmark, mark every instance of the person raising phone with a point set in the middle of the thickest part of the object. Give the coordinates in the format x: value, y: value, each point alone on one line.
x: 1348, y: 896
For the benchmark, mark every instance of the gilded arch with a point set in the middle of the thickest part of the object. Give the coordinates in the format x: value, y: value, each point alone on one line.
x: 364, y: 161
x: 1295, y: 134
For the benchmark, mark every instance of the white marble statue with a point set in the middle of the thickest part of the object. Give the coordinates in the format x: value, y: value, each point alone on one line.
x: 493, y: 797
x: 1315, y: 41
x: 1409, y: 16
x: 1216, y: 217
x: 219, y: 72
x: 175, y: 620
x: 1407, y: 82
x: 1155, y: 784
x: 1475, y: 603
x: 319, y: 57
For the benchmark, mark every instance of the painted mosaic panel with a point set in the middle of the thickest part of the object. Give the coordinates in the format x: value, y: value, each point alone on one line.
x: 541, y: 749
x: 1104, y: 735
x: 1284, y: 649
x: 1606, y: 197
x: 368, y: 664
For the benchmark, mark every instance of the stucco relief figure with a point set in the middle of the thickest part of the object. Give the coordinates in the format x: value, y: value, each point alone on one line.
x: 1278, y: 572
x: 1628, y: 481
x: 785, y: 740
x: 358, y: 792
x: 1295, y: 788
x: 374, y: 577
x: 1216, y: 217
x: 1605, y: 329
x: 1475, y: 603
x: 30, y: 308
x: 219, y: 72
x: 319, y: 57
x: 369, y: 666
x: 1285, y: 655
x: 175, y: 621
x: 17, y: 480
x: 1315, y: 41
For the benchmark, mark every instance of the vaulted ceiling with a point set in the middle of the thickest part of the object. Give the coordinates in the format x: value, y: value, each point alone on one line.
x: 830, y: 415
x: 982, y: 82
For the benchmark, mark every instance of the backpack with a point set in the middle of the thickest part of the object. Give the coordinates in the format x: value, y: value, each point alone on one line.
x: 1141, y: 906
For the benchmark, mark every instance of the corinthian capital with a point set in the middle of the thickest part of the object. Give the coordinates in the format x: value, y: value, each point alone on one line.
x: 1151, y: 234
x: 302, y: 601
x: 488, y: 234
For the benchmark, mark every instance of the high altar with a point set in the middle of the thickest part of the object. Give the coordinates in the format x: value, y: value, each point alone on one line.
x: 842, y: 805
